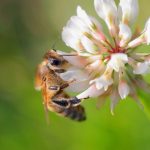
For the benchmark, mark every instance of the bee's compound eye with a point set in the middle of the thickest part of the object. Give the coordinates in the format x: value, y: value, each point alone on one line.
x: 55, y: 62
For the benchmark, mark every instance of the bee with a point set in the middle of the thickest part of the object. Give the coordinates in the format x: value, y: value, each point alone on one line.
x: 52, y: 86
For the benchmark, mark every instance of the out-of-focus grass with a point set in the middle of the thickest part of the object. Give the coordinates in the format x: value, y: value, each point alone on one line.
x: 27, y: 30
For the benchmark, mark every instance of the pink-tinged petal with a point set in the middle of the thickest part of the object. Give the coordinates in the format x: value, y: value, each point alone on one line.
x: 89, y: 45
x: 124, y: 34
x: 94, y: 27
x: 128, y: 11
x: 77, y: 61
x: 78, y: 86
x: 123, y: 89
x: 96, y: 24
x: 97, y: 31
x: 141, y: 68
x: 92, y: 91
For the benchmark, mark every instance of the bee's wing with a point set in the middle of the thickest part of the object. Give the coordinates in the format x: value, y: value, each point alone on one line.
x: 38, y: 79
x: 45, y: 101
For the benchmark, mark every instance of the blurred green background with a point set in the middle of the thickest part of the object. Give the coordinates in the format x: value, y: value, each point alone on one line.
x: 28, y: 28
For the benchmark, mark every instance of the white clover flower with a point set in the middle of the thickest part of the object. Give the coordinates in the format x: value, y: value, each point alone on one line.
x: 111, y: 69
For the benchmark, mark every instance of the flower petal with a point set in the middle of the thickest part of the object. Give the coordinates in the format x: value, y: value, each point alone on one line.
x: 114, y: 100
x: 83, y: 15
x: 78, y: 86
x: 143, y: 38
x: 107, y: 10
x: 136, y: 42
x: 77, y: 25
x: 102, y: 82
x: 141, y: 68
x: 71, y: 39
x: 105, y: 7
x: 76, y: 61
x: 90, y: 23
x: 97, y: 31
x: 105, y: 80
x: 96, y: 66
x: 89, y: 45
x: 123, y: 89
x: 117, y: 61
x: 147, y: 32
x: 92, y: 91
x: 128, y: 10
x: 124, y: 34
x: 74, y: 74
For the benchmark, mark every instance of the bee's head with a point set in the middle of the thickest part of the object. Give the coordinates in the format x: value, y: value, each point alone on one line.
x: 55, y: 62
x: 54, y: 59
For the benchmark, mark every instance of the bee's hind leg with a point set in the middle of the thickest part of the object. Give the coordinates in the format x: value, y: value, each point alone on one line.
x: 67, y: 102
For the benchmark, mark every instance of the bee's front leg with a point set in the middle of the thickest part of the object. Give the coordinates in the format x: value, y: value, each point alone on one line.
x: 65, y: 85
x: 58, y: 88
x: 59, y: 70
x: 61, y: 87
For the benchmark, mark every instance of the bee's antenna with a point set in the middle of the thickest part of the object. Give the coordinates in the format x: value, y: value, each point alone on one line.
x: 54, y: 44
x: 69, y: 55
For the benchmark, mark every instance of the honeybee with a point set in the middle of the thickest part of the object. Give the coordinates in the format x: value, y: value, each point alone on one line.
x: 52, y: 86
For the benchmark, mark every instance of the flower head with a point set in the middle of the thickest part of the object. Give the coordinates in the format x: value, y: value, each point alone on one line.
x: 112, y: 67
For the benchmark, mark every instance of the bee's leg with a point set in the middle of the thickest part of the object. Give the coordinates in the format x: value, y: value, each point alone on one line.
x: 56, y: 69
x: 59, y: 70
x: 74, y: 101
x: 54, y: 88
x: 61, y: 87
x: 65, y: 85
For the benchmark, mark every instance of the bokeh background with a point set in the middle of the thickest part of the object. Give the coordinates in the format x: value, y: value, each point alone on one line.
x: 28, y: 28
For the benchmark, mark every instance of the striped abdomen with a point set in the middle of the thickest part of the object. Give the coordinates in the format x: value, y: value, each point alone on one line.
x: 75, y: 113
